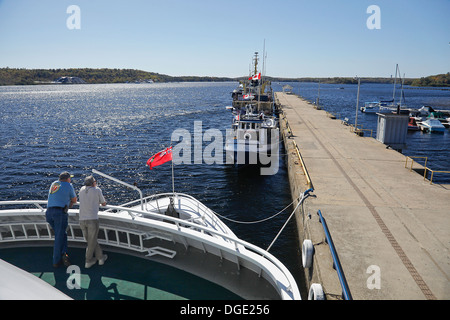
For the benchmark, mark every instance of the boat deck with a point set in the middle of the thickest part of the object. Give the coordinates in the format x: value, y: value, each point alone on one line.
x: 198, y: 244
x: 389, y: 225
x: 122, y: 277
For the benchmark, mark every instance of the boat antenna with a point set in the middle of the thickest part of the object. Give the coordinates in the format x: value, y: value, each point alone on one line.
x: 264, y: 60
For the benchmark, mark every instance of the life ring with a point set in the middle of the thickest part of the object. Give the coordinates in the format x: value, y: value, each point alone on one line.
x: 247, y: 136
x: 316, y: 292
x: 307, y: 253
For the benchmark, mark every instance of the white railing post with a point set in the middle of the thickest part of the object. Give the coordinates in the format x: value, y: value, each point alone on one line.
x: 121, y: 182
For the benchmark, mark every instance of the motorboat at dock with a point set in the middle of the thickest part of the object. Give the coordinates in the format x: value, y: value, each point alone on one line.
x: 253, y: 138
x: 376, y: 107
x: 412, y: 124
x: 431, y: 125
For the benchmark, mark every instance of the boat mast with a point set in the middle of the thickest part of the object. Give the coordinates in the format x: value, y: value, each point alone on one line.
x: 256, y: 63
x: 395, y: 82
x: 264, y: 60
x: 259, y: 81
x: 263, y: 74
x: 402, y: 94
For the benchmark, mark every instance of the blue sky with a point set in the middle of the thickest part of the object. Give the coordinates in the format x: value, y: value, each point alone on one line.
x: 315, y: 38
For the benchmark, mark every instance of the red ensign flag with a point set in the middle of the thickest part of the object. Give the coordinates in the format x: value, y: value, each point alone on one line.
x: 256, y: 77
x: 160, y: 158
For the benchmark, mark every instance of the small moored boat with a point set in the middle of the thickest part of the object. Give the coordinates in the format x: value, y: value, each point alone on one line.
x: 432, y: 125
x: 376, y: 107
x: 412, y: 124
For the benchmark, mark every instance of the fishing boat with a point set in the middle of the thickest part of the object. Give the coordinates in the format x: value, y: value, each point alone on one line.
x: 254, y: 138
x: 254, y: 90
x: 174, y: 229
x: 432, y: 125
x: 254, y: 135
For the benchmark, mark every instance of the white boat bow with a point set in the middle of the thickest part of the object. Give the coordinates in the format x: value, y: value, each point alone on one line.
x: 175, y: 229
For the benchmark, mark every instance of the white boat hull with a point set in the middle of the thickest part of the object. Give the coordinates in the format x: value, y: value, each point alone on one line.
x: 249, y: 147
x: 432, y: 125
x: 195, y: 241
x: 17, y: 284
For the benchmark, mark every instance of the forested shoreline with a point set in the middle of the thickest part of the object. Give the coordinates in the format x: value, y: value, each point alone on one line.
x: 20, y: 76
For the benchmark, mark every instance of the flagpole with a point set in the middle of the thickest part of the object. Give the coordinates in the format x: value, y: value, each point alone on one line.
x: 173, y: 183
x: 173, y: 179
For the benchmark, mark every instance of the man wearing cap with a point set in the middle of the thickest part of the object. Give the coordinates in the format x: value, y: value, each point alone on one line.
x: 91, y: 197
x: 61, y: 197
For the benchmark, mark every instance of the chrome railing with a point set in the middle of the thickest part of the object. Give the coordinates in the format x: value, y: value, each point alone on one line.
x: 188, y: 204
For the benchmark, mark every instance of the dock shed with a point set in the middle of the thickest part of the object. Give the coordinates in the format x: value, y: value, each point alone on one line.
x: 392, y: 130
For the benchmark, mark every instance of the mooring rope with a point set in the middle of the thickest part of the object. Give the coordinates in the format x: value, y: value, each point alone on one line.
x: 256, y: 221
x: 300, y: 198
x: 303, y: 196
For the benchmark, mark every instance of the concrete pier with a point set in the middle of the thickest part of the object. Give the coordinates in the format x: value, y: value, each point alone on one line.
x: 390, y: 227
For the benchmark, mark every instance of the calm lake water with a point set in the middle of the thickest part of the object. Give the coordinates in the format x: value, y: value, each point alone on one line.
x: 115, y: 128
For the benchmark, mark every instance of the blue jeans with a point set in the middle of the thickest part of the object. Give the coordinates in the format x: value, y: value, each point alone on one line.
x: 58, y: 220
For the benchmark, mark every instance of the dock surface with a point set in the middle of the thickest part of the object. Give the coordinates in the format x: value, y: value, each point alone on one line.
x: 390, y: 227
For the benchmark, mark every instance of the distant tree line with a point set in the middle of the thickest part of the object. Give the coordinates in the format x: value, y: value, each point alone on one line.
x: 341, y: 80
x: 15, y: 76
x: 440, y: 80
